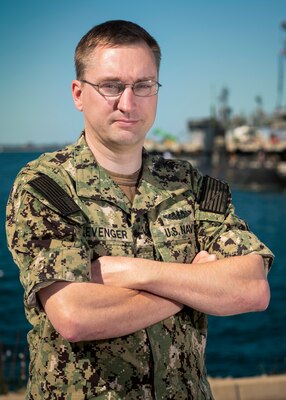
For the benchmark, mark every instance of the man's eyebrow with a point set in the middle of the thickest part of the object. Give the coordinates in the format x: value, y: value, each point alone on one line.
x: 148, y: 78
x: 117, y: 79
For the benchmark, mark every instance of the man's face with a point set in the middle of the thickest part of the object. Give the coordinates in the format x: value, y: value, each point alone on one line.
x: 122, y: 121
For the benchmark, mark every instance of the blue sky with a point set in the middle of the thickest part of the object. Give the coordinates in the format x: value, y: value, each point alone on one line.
x: 206, y: 45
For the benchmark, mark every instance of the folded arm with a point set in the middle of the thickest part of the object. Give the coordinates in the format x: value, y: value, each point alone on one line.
x: 90, y: 311
x: 220, y: 287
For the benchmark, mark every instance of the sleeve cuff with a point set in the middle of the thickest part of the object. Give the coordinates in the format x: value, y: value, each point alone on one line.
x: 60, y: 264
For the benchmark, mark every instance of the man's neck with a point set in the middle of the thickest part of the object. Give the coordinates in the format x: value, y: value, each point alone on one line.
x: 120, y: 160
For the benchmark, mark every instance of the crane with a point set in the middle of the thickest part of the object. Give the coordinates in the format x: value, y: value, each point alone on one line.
x: 281, y: 58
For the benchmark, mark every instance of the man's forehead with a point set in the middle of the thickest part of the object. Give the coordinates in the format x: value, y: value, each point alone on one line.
x: 116, y: 48
x: 109, y: 58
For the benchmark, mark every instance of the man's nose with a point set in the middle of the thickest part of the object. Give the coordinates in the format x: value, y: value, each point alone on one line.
x: 126, y: 100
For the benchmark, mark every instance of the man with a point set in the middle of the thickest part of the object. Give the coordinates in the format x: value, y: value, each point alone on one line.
x: 122, y: 254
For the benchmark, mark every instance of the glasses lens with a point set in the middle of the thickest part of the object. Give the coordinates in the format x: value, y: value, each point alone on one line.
x: 110, y: 88
x: 141, y: 88
x: 145, y: 88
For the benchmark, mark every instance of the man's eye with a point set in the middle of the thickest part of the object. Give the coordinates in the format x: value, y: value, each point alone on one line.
x: 110, y: 85
x: 143, y: 85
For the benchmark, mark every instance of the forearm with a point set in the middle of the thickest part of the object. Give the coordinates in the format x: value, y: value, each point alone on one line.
x: 89, y: 311
x: 222, y: 287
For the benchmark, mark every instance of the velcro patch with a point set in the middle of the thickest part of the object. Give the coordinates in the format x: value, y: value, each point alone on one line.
x: 52, y: 191
x: 214, y: 195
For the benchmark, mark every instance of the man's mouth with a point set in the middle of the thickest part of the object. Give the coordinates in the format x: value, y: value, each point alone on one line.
x: 126, y: 122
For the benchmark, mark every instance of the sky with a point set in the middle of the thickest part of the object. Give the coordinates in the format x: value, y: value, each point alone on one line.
x: 206, y: 45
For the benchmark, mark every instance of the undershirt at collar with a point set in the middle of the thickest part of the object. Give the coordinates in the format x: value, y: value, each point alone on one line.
x: 127, y: 183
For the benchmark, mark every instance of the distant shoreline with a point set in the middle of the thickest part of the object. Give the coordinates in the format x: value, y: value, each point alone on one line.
x: 31, y: 148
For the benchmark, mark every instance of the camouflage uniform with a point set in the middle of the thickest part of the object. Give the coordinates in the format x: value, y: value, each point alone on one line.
x: 165, y: 222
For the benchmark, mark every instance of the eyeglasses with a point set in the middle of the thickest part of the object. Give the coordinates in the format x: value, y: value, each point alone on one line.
x: 115, y: 88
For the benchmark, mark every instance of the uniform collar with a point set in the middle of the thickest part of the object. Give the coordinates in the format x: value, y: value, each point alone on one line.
x: 92, y: 181
x: 158, y: 183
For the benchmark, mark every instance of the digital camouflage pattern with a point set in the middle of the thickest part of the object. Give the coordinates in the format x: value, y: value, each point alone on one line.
x: 164, y: 361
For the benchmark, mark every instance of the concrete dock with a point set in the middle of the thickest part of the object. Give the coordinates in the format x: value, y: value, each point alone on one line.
x: 256, y: 388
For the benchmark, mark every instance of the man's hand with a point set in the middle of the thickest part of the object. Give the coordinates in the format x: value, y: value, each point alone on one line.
x: 204, y: 257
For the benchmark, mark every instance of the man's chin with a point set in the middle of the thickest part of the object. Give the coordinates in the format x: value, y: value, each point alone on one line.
x: 125, y: 138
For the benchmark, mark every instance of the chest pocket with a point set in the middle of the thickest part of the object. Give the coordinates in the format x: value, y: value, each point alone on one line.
x: 173, y: 232
x: 108, y: 231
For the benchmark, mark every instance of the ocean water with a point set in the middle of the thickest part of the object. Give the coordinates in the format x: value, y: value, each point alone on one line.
x: 244, y: 345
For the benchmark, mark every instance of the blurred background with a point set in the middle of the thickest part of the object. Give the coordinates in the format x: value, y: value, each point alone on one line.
x: 222, y: 106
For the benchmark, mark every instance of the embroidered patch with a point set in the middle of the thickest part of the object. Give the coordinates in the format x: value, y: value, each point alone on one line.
x: 179, y: 214
x: 214, y: 195
x: 48, y: 188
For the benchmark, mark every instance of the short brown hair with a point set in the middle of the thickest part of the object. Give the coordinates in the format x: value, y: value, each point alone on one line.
x: 112, y: 33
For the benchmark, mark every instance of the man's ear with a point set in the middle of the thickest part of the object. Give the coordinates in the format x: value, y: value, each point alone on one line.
x: 77, y: 94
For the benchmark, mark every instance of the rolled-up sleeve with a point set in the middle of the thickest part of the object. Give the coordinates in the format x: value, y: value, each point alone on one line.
x: 46, y: 246
x: 227, y: 235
